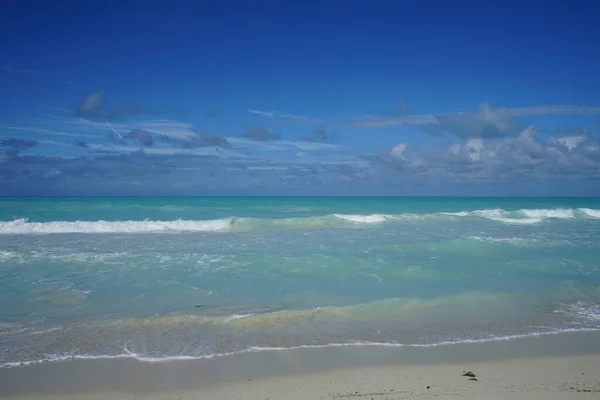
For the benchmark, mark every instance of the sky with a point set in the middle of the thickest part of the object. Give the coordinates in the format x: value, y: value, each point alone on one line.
x: 268, y: 97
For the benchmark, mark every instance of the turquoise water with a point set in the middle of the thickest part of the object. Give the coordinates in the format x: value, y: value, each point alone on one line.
x: 157, y: 278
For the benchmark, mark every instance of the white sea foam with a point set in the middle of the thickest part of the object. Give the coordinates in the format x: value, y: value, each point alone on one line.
x: 585, y: 310
x: 495, y: 215
x: 366, y: 219
x: 23, y: 226
x: 528, y: 216
x: 512, y: 240
x: 590, y: 212
x: 235, y: 316
x: 127, y: 354
x: 549, y: 213
x: 523, y: 217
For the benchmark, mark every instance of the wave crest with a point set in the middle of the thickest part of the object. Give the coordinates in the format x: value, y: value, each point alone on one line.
x: 23, y: 226
x: 367, y: 219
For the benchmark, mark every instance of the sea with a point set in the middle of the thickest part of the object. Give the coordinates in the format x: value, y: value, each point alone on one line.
x: 164, y: 278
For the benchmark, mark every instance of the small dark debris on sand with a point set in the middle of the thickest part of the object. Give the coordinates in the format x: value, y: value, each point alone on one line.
x: 469, y: 374
x: 473, y: 379
x: 428, y: 387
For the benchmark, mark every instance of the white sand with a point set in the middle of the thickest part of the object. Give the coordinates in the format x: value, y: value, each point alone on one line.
x: 553, y: 378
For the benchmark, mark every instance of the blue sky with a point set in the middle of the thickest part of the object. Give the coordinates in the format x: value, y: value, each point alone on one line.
x: 299, y: 98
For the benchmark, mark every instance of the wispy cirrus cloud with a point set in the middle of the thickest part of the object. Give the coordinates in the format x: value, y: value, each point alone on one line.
x: 382, y: 121
x: 170, y: 128
x: 41, y: 131
x: 556, y: 110
x: 166, y: 137
x: 276, y: 114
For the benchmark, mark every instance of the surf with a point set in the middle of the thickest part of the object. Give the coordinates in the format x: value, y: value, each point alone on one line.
x: 23, y: 226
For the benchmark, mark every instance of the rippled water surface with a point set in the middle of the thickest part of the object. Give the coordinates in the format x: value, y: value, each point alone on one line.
x: 190, y: 277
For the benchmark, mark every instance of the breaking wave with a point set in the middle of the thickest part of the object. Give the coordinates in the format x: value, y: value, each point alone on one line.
x: 367, y: 219
x: 529, y: 216
x: 23, y: 226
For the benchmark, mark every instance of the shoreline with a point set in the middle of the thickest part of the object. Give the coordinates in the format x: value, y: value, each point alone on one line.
x: 122, y: 377
x: 256, y: 349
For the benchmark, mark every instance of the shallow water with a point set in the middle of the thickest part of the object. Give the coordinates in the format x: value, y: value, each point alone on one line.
x: 172, y: 277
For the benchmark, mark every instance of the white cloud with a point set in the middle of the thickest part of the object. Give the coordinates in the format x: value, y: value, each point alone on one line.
x: 474, y: 148
x: 268, y: 114
x: 570, y: 142
x: 398, y: 151
x: 496, y: 159
x: 280, y: 145
x: 169, y: 128
x: 555, y: 110
x: 174, y: 129
x: 46, y: 131
x: 202, y: 151
x: 379, y: 121
x: 276, y: 114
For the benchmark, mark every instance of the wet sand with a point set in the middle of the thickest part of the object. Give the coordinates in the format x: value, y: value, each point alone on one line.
x: 565, y: 366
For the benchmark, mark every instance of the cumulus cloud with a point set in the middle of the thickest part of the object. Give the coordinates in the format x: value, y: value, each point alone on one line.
x: 486, y: 122
x: 503, y: 159
x: 571, y: 137
x: 396, y: 157
x: 398, y: 151
x: 262, y: 134
x: 570, y: 142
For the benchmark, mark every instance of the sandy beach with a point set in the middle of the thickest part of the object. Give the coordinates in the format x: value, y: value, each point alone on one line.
x: 561, y: 366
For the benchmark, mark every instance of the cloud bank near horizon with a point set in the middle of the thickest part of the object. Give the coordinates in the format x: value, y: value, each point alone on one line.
x: 120, y: 150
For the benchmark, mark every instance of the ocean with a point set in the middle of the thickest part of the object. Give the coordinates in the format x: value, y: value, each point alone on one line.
x: 166, y: 278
